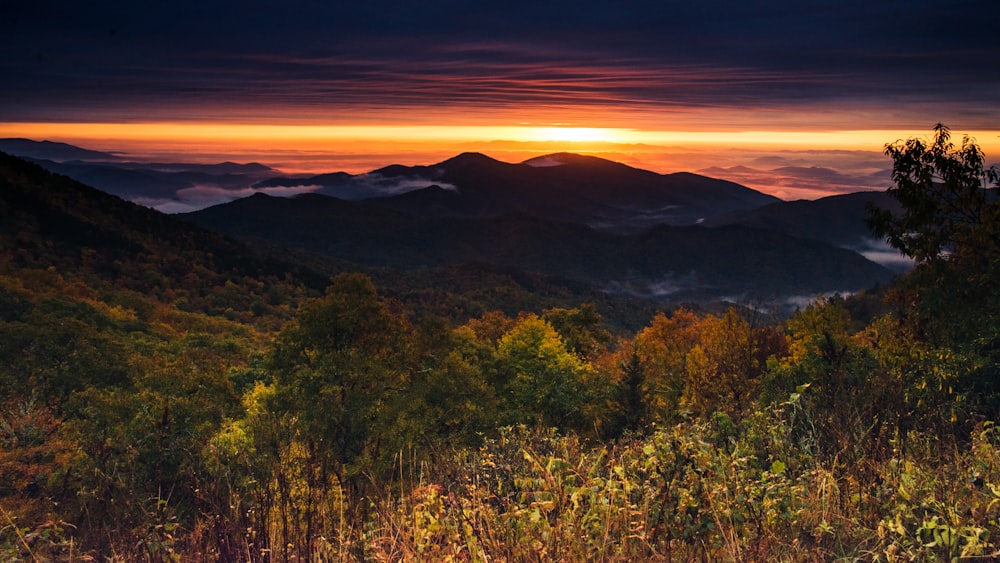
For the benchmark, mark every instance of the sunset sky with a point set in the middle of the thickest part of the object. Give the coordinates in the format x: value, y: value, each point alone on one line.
x: 794, y: 98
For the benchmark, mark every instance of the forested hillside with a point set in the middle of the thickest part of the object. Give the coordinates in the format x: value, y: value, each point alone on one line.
x: 169, y: 394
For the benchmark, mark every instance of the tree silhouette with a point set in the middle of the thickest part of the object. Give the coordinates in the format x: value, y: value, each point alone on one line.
x: 950, y: 224
x: 948, y: 209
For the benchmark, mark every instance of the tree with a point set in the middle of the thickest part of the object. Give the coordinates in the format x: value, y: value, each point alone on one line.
x: 842, y: 391
x: 631, y: 402
x: 948, y: 210
x: 448, y: 401
x: 542, y: 381
x: 723, y: 367
x: 950, y: 224
x: 490, y: 327
x: 661, y: 350
x: 335, y: 369
x: 581, y: 329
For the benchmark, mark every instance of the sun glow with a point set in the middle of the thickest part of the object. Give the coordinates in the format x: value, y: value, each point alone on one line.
x: 579, y: 134
x: 200, y: 132
x: 362, y: 147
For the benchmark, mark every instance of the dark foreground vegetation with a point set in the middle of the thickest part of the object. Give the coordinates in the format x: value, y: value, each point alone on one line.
x: 162, y: 402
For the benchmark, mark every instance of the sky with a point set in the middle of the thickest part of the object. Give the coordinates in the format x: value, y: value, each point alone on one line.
x: 796, y: 98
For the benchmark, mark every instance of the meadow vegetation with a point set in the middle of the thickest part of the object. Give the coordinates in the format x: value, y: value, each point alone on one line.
x: 195, y: 415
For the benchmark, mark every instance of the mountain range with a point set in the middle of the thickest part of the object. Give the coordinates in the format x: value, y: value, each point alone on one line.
x: 615, y: 229
x: 561, y: 187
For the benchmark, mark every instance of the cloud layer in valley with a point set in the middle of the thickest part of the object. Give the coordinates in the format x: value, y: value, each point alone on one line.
x: 364, y: 186
x: 175, y: 192
x: 802, y: 182
x: 199, y: 197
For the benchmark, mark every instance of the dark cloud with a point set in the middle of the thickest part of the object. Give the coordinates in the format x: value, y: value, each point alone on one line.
x: 903, y: 61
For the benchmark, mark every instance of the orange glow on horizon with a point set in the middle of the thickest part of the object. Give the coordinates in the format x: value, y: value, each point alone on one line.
x: 360, y: 148
x: 308, y: 134
x: 200, y: 132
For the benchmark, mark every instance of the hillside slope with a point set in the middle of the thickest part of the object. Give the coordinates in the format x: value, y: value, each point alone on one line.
x: 54, y: 223
x: 837, y: 220
x: 695, y: 262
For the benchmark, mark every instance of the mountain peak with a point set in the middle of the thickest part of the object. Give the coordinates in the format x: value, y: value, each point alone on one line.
x: 469, y: 159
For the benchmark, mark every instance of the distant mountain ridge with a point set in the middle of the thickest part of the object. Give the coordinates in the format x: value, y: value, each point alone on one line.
x: 48, y: 150
x: 568, y: 187
x: 561, y: 186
